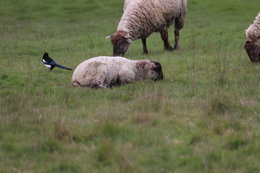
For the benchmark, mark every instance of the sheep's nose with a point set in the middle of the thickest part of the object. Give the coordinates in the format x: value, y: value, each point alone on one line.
x: 161, y: 76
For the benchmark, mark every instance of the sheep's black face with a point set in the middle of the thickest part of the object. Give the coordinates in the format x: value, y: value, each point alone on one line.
x: 253, y: 50
x: 156, y: 72
x: 120, y: 46
x: 121, y: 42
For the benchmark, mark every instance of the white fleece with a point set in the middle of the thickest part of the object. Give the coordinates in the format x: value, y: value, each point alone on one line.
x: 142, y: 17
x: 253, y: 31
x: 106, y: 71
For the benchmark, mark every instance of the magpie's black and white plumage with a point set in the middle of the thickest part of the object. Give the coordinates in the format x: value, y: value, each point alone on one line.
x: 50, y: 63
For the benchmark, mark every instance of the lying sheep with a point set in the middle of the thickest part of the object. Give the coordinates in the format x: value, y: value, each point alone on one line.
x: 105, y: 71
x: 143, y: 17
x: 252, y: 45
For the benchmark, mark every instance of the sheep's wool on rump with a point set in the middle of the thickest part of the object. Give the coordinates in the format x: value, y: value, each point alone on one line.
x: 142, y: 17
x: 253, y: 31
x: 92, y: 71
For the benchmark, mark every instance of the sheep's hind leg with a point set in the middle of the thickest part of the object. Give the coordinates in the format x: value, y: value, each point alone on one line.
x: 176, y: 36
x: 99, y: 82
x: 179, y: 23
x: 164, y: 36
x: 145, y: 51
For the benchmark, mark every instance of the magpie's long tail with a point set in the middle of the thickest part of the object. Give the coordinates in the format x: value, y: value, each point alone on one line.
x: 60, y: 66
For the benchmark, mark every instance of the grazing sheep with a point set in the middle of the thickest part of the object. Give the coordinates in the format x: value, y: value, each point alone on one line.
x: 105, y: 71
x: 252, y: 45
x: 143, y: 17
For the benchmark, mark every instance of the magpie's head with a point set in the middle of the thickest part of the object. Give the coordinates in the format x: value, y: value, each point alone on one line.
x: 45, y: 55
x: 46, y: 59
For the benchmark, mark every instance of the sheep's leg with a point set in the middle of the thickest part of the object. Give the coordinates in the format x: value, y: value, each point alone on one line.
x: 179, y: 23
x: 164, y: 36
x: 176, y: 36
x: 99, y: 81
x: 145, y: 51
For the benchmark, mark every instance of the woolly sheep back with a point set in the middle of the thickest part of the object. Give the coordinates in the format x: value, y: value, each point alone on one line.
x: 253, y: 31
x: 142, y: 17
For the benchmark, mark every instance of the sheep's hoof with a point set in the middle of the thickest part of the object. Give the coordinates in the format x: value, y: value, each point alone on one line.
x: 176, y: 48
x: 169, y: 49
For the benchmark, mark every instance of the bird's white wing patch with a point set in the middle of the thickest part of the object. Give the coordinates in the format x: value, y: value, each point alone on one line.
x: 43, y: 60
x: 48, y: 66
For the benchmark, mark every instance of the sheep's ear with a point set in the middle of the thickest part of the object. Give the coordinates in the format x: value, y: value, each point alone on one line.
x: 143, y: 65
x: 109, y: 36
x: 147, y: 66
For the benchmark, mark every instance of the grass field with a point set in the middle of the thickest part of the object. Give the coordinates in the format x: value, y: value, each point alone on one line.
x: 203, y: 117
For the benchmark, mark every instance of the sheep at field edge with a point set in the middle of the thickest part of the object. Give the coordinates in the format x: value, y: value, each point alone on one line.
x: 143, y: 17
x: 105, y: 71
x: 252, y: 45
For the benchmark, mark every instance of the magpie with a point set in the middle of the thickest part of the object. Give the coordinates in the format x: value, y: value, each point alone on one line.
x: 50, y: 63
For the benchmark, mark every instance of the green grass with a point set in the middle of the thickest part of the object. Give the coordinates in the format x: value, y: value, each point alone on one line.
x: 203, y: 117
